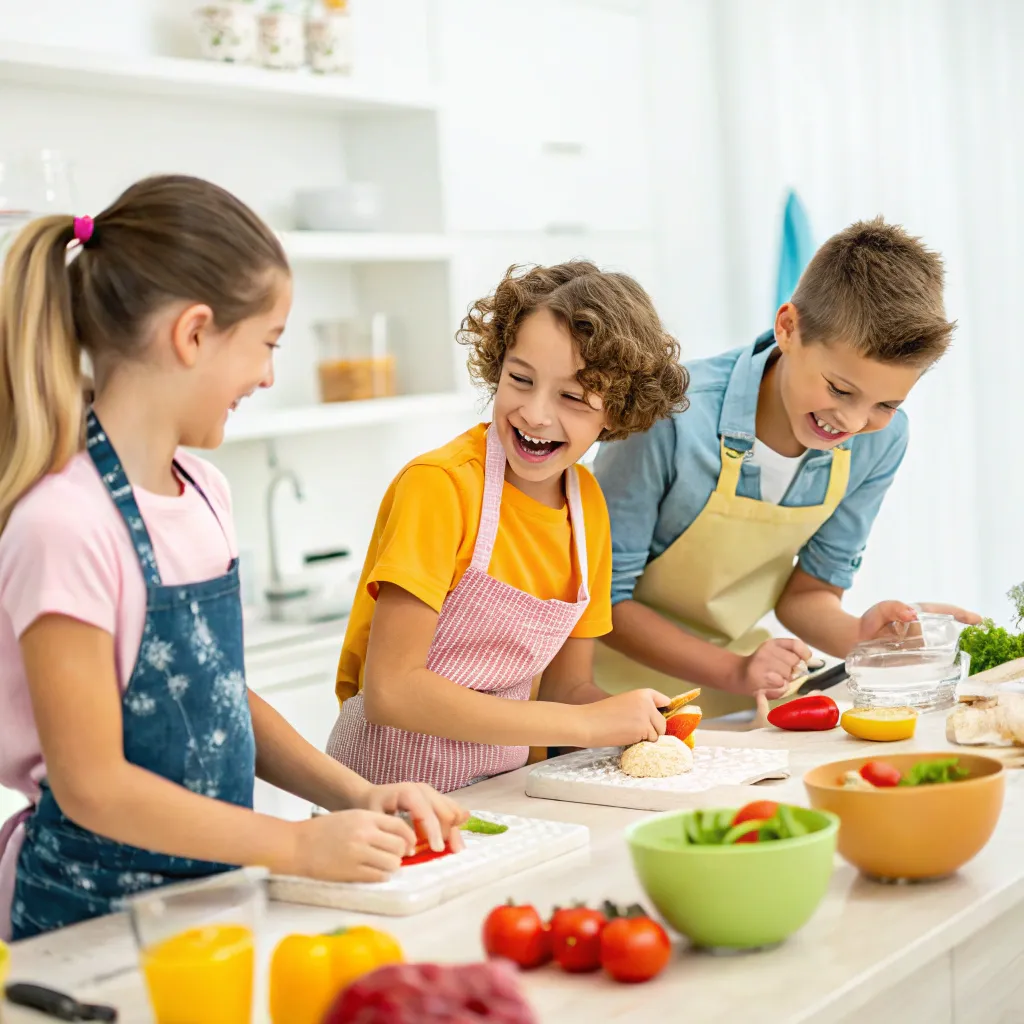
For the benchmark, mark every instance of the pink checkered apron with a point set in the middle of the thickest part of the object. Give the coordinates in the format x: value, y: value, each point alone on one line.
x: 489, y: 637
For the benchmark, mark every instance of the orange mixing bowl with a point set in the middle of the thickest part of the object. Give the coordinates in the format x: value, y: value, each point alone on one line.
x: 912, y: 832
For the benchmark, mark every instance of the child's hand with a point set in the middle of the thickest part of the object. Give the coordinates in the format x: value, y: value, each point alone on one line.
x: 438, y: 816
x: 770, y: 669
x: 876, y: 622
x: 352, y: 846
x: 624, y: 719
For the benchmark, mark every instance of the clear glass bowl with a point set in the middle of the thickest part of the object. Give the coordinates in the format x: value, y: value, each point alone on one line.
x: 920, y: 669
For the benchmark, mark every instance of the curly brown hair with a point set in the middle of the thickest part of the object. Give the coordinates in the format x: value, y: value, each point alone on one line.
x: 630, y: 361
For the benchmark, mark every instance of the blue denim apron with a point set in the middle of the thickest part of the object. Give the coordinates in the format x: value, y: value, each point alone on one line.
x: 185, y: 717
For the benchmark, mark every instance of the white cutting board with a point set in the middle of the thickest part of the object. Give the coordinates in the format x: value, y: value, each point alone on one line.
x: 593, y: 777
x: 528, y: 841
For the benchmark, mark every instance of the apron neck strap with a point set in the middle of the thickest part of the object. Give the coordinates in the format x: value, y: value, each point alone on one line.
x: 112, y: 473
x: 729, y: 475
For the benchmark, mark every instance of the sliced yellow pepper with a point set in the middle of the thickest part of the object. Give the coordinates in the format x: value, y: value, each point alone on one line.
x: 883, y: 725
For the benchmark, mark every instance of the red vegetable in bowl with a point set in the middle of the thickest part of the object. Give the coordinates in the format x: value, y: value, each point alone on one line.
x: 878, y: 773
x: 816, y: 713
x: 758, y: 810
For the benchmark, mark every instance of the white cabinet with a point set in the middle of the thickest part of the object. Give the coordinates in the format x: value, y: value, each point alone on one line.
x: 545, y: 117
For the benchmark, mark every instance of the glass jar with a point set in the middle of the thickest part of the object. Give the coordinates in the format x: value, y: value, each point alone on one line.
x: 920, y: 667
x: 354, y: 364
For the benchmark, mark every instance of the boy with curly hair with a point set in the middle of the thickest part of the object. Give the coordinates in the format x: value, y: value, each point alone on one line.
x: 489, y: 569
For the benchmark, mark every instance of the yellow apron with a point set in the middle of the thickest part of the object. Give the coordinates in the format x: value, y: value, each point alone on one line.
x: 722, y: 576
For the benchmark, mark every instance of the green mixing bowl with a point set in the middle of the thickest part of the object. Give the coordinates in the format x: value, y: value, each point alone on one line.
x: 743, y: 896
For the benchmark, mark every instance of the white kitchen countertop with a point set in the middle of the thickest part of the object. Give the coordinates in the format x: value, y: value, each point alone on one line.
x: 920, y: 942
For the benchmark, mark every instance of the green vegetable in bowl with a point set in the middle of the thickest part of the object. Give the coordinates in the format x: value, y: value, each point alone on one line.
x: 760, y: 821
x: 990, y: 645
x: 929, y: 773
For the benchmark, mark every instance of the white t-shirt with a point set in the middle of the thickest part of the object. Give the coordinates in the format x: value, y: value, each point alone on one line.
x: 777, y: 471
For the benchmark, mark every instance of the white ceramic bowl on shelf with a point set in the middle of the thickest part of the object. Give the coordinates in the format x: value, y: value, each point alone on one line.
x: 353, y: 206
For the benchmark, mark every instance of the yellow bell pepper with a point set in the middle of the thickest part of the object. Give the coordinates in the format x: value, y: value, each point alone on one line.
x: 308, y: 971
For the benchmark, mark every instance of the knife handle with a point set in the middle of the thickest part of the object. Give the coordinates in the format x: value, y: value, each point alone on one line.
x: 56, y: 1004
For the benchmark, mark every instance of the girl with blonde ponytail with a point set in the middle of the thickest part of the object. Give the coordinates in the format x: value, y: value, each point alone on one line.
x: 127, y: 723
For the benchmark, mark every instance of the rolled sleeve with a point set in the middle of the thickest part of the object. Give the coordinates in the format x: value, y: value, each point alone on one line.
x: 834, y: 554
x: 635, y: 475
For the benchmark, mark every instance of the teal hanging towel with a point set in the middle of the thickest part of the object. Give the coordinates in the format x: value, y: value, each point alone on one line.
x: 796, y: 250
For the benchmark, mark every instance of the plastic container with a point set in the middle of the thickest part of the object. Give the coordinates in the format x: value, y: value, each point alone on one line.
x: 920, y: 670
x: 197, y: 947
x: 354, y: 364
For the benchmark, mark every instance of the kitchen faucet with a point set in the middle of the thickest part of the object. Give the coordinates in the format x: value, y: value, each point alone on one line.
x: 280, y: 477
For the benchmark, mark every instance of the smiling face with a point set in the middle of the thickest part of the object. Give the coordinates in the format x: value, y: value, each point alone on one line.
x: 231, y: 365
x: 543, y: 418
x: 829, y: 391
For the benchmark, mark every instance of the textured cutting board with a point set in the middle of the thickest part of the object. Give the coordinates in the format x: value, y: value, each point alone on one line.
x: 528, y: 841
x: 593, y: 777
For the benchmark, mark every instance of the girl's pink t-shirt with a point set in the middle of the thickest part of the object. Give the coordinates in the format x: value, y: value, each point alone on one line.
x: 66, y: 551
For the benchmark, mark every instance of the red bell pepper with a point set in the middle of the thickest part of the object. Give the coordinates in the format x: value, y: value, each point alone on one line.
x: 816, y: 713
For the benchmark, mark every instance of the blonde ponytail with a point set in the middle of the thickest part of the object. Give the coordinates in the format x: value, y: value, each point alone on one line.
x: 41, y: 400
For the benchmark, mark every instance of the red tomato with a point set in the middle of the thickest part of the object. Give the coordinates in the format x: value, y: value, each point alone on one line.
x: 634, y: 949
x: 757, y: 810
x: 878, y: 773
x: 576, y: 939
x: 517, y: 934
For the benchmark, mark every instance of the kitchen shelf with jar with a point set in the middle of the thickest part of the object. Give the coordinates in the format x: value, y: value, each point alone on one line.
x: 365, y: 247
x: 271, y: 424
x: 65, y: 67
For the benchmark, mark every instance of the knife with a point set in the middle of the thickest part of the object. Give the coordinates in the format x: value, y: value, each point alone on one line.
x: 57, y: 1004
x: 823, y: 680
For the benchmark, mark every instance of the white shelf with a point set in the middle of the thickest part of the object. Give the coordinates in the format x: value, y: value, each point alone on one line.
x: 315, y: 419
x: 364, y: 247
x: 64, y: 67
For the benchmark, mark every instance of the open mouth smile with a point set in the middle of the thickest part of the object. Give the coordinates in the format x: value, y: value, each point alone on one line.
x: 534, y: 449
x: 824, y: 429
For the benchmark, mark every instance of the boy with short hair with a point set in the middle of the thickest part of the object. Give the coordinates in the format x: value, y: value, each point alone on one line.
x: 761, y: 496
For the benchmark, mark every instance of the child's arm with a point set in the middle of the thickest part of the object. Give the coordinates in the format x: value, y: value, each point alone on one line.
x: 77, y: 708
x: 569, y: 679
x: 813, y: 610
x: 647, y: 637
x: 401, y: 692
x: 286, y: 760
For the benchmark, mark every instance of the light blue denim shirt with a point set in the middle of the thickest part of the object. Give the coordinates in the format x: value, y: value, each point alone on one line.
x: 657, y: 483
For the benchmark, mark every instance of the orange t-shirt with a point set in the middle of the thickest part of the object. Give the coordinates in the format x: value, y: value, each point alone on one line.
x: 426, y: 530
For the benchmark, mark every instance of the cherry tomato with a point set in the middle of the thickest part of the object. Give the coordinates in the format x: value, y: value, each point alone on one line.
x: 878, y: 773
x: 517, y: 934
x: 758, y: 810
x: 576, y: 939
x: 634, y: 949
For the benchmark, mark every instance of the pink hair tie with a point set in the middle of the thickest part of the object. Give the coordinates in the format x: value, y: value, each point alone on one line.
x: 84, y: 228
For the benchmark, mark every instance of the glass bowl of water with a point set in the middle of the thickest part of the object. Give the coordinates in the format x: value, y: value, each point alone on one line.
x: 919, y: 667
